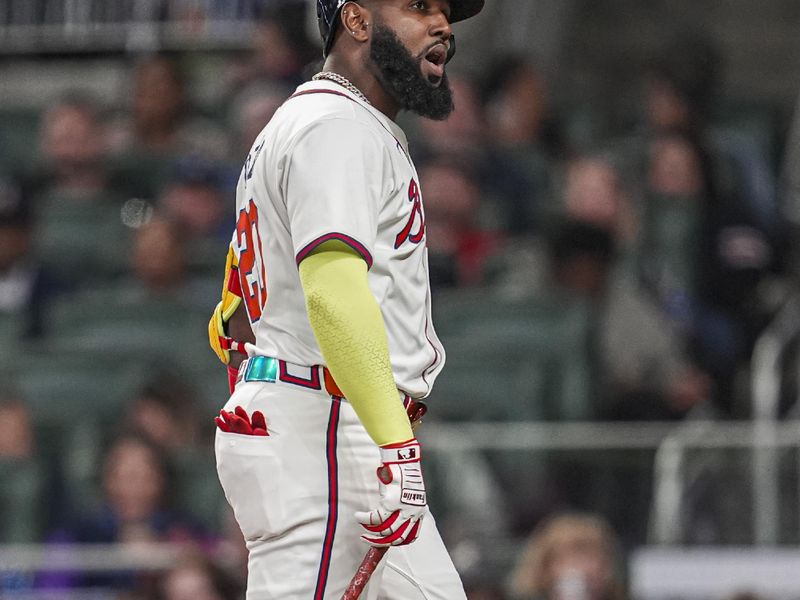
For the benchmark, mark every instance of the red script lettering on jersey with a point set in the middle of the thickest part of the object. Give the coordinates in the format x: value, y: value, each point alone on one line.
x: 416, y: 216
x: 252, y: 273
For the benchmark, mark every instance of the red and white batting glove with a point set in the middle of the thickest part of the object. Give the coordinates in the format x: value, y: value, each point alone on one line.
x: 403, y: 502
x: 239, y: 422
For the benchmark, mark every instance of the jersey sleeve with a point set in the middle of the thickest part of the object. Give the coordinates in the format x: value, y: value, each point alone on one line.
x: 333, y: 186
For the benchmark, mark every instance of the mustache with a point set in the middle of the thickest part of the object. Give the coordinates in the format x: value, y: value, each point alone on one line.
x: 444, y: 42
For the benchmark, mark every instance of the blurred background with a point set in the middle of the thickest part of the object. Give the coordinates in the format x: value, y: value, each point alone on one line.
x: 612, y: 213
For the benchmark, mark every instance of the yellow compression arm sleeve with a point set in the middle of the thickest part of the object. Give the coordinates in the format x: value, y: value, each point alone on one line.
x: 349, y: 328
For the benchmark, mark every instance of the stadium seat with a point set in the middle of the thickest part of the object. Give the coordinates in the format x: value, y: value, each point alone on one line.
x: 21, y: 518
x: 81, y: 240
x: 71, y: 385
x: 513, y: 360
x: 10, y: 330
x: 196, y: 487
x: 18, y: 127
x: 671, y: 233
x: 128, y: 320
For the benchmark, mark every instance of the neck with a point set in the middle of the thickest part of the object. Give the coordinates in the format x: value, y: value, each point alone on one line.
x: 366, y: 81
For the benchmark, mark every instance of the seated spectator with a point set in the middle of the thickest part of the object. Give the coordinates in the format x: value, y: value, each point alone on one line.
x: 685, y: 263
x: 251, y: 110
x: 158, y: 259
x: 680, y: 85
x: 644, y: 373
x: 703, y: 255
x: 74, y: 190
x: 162, y: 122
x: 159, y: 270
x: 163, y: 412
x: 196, y: 577
x: 135, y: 510
x: 524, y: 145
x: 26, y: 287
x: 460, y: 247
x: 136, y: 490
x: 463, y: 135
x: 195, y: 199
x: 24, y: 487
x: 281, y: 48
x: 569, y: 557
x: 594, y: 193
x: 681, y: 91
x: 16, y: 430
x: 74, y: 154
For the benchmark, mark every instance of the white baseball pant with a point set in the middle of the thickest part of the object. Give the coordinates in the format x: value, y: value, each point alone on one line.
x: 294, y: 494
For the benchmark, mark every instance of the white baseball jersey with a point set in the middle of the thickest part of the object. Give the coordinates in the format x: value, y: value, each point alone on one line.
x: 329, y: 166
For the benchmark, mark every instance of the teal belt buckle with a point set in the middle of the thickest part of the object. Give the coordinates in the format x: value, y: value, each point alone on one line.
x: 261, y: 368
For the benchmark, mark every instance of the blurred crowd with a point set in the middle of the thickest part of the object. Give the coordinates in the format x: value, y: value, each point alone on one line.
x: 638, y: 267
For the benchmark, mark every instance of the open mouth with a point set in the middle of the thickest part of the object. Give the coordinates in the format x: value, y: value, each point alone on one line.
x: 436, y: 57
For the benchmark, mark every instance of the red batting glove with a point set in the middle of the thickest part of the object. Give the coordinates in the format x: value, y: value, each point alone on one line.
x: 239, y: 422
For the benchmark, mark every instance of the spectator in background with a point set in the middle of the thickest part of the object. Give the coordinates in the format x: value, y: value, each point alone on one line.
x: 463, y: 135
x: 281, y: 48
x: 593, y: 192
x: 460, y: 248
x: 195, y: 200
x: 159, y: 270
x: 681, y: 91
x: 690, y: 262
x: 74, y: 153
x: 25, y: 485
x: 644, y: 371
x: 136, y: 484
x: 26, y: 287
x: 702, y: 256
x: 16, y: 430
x: 680, y: 85
x: 162, y: 122
x: 158, y: 258
x: 135, y: 487
x: 196, y: 577
x: 251, y: 109
x: 524, y: 147
x: 569, y: 557
x: 164, y: 413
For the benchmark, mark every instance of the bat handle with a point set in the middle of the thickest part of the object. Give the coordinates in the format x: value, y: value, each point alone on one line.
x: 364, y: 572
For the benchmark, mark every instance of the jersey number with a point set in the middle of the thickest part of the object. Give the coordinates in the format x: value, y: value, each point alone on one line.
x: 252, y: 274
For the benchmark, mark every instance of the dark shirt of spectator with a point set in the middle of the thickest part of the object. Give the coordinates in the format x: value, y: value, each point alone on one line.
x: 523, y: 138
x: 26, y: 287
x: 460, y: 244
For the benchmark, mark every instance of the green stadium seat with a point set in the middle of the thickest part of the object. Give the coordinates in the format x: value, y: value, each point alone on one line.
x: 59, y: 386
x: 18, y: 135
x: 196, y: 489
x: 82, y: 240
x: 10, y: 333
x: 671, y: 234
x: 21, y: 517
x: 127, y: 324
x: 128, y: 320
x: 513, y: 360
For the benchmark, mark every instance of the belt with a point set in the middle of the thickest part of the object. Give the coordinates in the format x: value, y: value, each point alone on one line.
x: 270, y: 370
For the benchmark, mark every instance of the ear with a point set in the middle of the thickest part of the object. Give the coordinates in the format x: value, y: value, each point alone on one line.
x: 355, y: 21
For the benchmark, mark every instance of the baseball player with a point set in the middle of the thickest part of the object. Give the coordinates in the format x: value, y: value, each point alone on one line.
x: 328, y: 272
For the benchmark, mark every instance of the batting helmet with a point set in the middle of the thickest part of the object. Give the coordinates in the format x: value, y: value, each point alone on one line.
x: 328, y: 12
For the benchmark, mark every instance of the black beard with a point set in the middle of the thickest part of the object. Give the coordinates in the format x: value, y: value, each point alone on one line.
x: 401, y: 76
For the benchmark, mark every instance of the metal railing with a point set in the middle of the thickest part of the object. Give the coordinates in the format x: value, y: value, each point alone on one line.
x: 126, y: 25
x: 767, y: 360
x: 671, y: 442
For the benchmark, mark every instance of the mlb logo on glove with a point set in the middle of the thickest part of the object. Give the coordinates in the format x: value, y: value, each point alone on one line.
x: 407, y: 453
